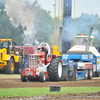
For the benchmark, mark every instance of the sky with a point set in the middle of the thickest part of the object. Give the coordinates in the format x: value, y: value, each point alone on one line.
x: 81, y: 6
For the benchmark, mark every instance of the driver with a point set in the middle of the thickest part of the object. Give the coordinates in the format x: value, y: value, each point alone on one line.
x: 43, y: 48
x: 46, y: 52
x: 84, y: 42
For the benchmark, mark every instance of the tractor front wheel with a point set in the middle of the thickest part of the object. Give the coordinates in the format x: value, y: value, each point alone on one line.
x: 9, y: 69
x: 90, y: 73
x: 55, y: 69
x: 23, y: 78
x: 86, y: 73
x: 42, y: 77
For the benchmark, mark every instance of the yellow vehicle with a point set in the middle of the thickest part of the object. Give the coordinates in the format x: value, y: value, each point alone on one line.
x: 10, y: 60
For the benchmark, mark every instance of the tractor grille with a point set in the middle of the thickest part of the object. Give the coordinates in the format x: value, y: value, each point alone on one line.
x: 32, y: 61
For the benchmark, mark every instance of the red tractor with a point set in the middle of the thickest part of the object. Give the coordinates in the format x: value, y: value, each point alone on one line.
x: 42, y: 65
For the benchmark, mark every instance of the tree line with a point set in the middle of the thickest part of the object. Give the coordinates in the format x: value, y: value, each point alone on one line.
x: 44, y: 27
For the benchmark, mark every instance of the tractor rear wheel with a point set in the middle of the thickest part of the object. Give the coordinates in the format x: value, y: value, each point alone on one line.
x: 42, y: 77
x: 9, y: 69
x: 55, y: 69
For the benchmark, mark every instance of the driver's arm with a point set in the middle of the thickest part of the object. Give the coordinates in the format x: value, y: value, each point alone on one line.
x: 38, y: 50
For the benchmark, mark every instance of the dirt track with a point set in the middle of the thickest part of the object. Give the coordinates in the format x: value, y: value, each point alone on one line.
x: 14, y: 81
x: 11, y: 81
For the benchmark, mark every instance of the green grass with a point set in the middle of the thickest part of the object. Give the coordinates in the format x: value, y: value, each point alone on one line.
x: 13, y: 92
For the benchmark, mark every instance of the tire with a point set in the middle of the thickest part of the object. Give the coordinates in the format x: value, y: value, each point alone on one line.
x: 95, y: 74
x: 18, y: 67
x: 75, y: 73
x: 21, y: 66
x: 86, y: 74
x: 42, y: 77
x: 1, y: 71
x: 23, y: 78
x: 9, y: 69
x: 90, y: 73
x: 55, y: 69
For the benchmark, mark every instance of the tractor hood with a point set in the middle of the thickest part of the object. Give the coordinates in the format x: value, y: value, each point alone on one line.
x: 38, y: 54
x: 81, y: 49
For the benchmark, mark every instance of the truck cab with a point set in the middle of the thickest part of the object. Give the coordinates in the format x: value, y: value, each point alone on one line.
x: 82, y: 59
x: 10, y: 60
x: 6, y: 43
x: 81, y: 40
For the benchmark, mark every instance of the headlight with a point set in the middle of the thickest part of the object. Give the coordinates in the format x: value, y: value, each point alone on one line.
x: 17, y: 52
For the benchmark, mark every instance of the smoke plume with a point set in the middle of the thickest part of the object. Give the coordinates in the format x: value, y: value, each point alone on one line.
x: 67, y: 34
x: 21, y: 12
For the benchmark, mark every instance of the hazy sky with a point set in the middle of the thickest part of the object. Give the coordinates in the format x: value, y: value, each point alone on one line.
x: 85, y: 6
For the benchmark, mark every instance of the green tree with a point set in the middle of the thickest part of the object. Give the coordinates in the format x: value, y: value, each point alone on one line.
x: 43, y: 25
x: 85, y: 22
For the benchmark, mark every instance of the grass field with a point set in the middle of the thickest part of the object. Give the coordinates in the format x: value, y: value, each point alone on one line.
x: 13, y: 92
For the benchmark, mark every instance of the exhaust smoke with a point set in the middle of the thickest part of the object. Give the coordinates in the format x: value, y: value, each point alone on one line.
x: 21, y: 12
x: 67, y: 34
